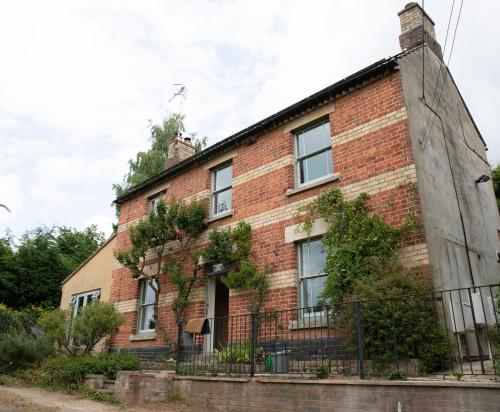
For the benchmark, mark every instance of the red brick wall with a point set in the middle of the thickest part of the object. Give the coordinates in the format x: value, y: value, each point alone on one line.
x: 357, y: 160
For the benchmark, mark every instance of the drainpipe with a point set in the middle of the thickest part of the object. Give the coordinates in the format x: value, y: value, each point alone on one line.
x: 456, y: 192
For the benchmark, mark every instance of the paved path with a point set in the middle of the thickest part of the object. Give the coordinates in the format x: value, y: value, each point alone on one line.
x: 28, y: 399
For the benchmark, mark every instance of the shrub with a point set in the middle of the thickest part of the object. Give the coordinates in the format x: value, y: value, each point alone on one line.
x: 16, y: 320
x: 398, y: 312
x: 93, y: 323
x: 67, y: 371
x: 55, y: 327
x: 322, y: 371
x: 19, y: 350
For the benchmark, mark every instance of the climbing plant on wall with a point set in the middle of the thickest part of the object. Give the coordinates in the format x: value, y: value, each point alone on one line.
x: 162, y: 242
x: 232, y: 248
x: 363, y: 262
x: 358, y: 242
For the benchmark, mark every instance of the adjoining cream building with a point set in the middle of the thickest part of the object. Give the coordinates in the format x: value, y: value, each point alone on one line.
x: 91, y: 280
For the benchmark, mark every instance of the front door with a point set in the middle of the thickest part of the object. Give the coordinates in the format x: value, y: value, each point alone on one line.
x: 217, y: 312
x: 221, y: 313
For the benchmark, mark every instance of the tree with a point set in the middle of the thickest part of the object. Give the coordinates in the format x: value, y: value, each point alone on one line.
x: 167, y: 234
x: 31, y: 273
x: 495, y: 177
x: 151, y: 162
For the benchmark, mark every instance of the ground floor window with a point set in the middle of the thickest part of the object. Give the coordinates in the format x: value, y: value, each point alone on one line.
x: 146, y: 305
x: 312, y: 277
x: 80, y: 300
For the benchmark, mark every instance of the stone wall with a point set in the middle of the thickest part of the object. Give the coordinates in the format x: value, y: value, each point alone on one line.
x: 279, y: 394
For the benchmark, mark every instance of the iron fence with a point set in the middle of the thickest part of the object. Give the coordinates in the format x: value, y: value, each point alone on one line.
x: 447, y: 332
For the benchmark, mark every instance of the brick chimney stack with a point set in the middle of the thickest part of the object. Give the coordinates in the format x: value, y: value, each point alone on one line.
x: 179, y: 149
x: 416, y: 28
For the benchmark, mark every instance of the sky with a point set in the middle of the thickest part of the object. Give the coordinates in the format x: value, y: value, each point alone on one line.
x: 80, y: 82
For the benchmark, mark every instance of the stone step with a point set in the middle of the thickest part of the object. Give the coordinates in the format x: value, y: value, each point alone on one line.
x: 109, y: 384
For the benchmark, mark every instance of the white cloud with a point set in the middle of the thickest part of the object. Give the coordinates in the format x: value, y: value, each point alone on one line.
x: 80, y: 79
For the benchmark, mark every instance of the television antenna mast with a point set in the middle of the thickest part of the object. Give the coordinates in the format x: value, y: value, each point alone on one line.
x: 181, y: 95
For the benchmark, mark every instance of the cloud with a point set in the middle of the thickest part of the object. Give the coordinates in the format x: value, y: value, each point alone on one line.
x: 80, y: 80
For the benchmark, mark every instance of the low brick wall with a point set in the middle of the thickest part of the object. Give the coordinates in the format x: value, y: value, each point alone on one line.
x: 275, y: 394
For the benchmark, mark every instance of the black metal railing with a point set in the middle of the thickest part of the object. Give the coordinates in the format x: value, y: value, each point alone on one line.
x: 447, y: 332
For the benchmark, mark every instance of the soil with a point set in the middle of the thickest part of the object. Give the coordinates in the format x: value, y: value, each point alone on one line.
x: 28, y: 399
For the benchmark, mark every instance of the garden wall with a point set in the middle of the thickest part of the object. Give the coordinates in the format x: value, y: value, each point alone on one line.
x: 279, y: 394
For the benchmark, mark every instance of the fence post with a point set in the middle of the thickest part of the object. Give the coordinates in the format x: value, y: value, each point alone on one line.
x: 359, y: 336
x: 253, y: 343
x: 178, y: 349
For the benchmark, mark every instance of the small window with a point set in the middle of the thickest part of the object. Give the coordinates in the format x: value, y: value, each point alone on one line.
x: 222, y: 192
x: 312, y: 277
x: 313, y: 150
x: 154, y: 200
x: 80, y: 300
x: 146, y: 307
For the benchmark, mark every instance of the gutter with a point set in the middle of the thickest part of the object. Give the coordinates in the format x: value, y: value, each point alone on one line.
x: 318, y: 98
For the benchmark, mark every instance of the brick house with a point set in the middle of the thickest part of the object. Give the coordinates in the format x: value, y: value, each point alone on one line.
x: 366, y: 133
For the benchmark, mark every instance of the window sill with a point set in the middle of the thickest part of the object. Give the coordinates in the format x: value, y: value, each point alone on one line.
x: 220, y: 216
x: 328, y: 179
x: 308, y: 323
x: 143, y: 336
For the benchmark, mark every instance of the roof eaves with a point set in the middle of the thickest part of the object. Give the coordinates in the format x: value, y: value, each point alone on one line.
x: 271, y: 121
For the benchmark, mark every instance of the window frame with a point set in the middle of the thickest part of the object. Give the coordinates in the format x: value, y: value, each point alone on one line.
x: 152, y: 200
x: 214, y: 192
x: 143, y: 306
x: 299, y: 159
x: 301, y: 279
x: 94, y: 295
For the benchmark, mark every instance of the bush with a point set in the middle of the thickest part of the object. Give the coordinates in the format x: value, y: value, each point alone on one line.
x: 16, y: 320
x: 69, y: 372
x: 19, y: 350
x: 93, y: 323
x: 398, y: 308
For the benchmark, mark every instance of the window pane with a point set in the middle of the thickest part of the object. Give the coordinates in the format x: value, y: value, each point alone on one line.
x: 317, y: 257
x: 148, y: 293
x: 316, y: 166
x: 313, y: 139
x: 311, y: 292
x: 146, y: 321
x: 223, y: 177
x: 222, y: 201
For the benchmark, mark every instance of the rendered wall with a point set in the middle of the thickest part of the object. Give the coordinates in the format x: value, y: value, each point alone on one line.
x: 439, y: 162
x: 96, y: 273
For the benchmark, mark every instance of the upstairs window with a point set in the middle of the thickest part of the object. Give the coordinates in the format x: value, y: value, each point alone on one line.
x: 154, y: 200
x: 312, y: 276
x: 146, y: 305
x: 222, y: 192
x: 313, y: 149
